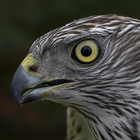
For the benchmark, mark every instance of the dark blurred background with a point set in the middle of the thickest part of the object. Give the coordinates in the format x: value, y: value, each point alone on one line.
x: 21, y: 22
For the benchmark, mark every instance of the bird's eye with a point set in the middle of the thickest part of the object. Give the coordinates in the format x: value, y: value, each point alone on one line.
x: 86, y: 51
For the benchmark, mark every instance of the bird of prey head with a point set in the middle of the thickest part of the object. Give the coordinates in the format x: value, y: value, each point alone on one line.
x: 91, y: 65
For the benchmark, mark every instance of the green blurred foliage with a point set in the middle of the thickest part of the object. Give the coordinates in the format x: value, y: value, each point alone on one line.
x: 21, y: 22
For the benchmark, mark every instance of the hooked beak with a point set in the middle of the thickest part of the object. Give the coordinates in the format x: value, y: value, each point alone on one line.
x: 29, y: 86
x: 22, y: 81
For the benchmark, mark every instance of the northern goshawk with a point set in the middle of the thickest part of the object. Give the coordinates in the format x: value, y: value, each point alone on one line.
x: 92, y: 66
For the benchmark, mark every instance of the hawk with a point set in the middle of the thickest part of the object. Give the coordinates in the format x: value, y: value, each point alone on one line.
x: 92, y: 66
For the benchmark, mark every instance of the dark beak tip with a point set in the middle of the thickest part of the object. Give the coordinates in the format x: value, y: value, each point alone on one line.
x: 14, y: 94
x: 16, y: 85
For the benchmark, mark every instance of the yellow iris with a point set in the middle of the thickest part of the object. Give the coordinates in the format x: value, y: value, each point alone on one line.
x: 86, y: 51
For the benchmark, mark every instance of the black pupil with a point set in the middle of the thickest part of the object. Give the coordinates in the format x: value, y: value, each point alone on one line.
x: 86, y: 51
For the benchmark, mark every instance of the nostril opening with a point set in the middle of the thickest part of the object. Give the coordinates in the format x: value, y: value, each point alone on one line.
x: 33, y: 69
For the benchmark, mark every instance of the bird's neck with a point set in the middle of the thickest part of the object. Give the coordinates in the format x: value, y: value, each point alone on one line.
x: 105, y: 125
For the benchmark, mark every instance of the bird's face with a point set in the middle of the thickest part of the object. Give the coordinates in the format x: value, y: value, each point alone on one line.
x: 56, y: 62
x: 91, y: 64
x: 89, y: 56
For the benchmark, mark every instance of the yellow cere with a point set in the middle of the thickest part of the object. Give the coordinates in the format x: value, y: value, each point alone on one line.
x: 29, y: 62
x: 93, y: 54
